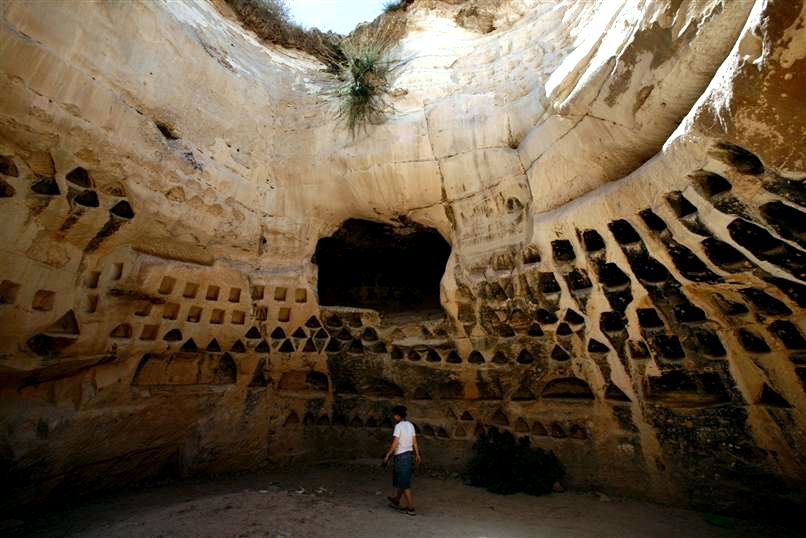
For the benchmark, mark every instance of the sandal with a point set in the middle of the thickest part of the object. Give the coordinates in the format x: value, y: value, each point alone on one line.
x: 392, y: 503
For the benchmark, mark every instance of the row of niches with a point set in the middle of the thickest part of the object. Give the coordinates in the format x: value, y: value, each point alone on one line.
x: 56, y: 338
x: 364, y: 343
x: 307, y: 384
x: 523, y: 336
x: 36, y: 176
x: 462, y: 430
x: 768, y: 225
x: 155, y: 317
x: 12, y: 293
x: 679, y: 387
x: 156, y: 310
x: 191, y: 313
x: 166, y: 302
x: 516, y: 323
x: 775, y: 210
x: 185, y: 368
x: 43, y: 300
x: 314, y: 338
x: 191, y: 366
x: 310, y: 338
x: 569, y: 389
x: 673, y: 388
x: 211, y: 311
x: 659, y: 337
x: 783, y: 219
x: 170, y: 286
x: 508, y: 305
x: 521, y: 343
x: 541, y: 292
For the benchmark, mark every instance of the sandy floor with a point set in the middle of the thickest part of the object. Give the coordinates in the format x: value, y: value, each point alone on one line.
x: 334, y: 501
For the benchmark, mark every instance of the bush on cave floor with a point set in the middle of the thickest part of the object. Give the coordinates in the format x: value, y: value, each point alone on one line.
x: 504, y: 464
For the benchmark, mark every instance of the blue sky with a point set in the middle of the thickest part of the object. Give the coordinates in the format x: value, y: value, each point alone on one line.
x: 338, y: 15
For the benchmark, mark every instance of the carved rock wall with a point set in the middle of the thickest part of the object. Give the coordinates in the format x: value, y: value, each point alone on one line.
x: 621, y: 184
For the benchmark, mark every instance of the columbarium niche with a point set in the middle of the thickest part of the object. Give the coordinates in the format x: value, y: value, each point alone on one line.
x: 394, y: 269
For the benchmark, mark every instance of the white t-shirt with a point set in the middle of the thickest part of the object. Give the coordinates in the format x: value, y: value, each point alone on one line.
x: 404, y: 431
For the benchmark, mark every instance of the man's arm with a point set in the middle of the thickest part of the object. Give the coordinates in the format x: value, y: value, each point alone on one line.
x: 416, y: 450
x: 391, y: 449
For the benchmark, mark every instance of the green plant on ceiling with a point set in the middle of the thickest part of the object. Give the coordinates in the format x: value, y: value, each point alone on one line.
x: 359, y: 63
x: 365, y: 73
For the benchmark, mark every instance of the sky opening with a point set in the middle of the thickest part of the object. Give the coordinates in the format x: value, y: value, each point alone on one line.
x: 340, y: 16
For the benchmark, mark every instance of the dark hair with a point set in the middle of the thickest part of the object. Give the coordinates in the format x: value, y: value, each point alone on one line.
x: 399, y: 410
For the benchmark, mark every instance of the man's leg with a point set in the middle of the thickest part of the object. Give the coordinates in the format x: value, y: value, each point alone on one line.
x: 394, y: 501
x: 409, y: 498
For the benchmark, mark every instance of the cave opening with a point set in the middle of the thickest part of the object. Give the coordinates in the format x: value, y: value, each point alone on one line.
x: 394, y: 269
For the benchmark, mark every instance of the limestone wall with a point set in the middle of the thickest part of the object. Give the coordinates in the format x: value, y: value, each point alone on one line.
x: 620, y: 184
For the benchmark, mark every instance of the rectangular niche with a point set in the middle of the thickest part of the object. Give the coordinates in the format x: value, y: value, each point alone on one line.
x: 91, y: 305
x: 238, y: 317
x: 144, y: 310
x: 8, y: 292
x: 284, y: 314
x: 194, y: 314
x: 258, y: 293
x: 117, y: 271
x: 91, y: 280
x: 279, y: 294
x: 235, y: 295
x: 301, y: 295
x: 212, y: 293
x: 149, y: 332
x: 262, y: 313
x: 191, y: 289
x: 170, y: 311
x: 217, y: 317
x: 43, y: 300
x: 167, y: 285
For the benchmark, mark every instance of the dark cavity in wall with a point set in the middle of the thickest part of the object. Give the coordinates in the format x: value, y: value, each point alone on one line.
x: 167, y: 130
x: 392, y: 269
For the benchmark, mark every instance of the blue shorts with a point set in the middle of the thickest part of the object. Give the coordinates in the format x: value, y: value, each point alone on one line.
x: 403, y: 469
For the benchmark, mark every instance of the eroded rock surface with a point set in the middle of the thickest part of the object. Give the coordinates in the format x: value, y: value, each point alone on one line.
x: 619, y: 189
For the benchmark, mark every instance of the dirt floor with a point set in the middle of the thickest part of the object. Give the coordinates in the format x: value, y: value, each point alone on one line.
x: 349, y: 500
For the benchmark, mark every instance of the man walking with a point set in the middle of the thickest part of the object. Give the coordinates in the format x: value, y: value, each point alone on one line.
x: 406, y: 453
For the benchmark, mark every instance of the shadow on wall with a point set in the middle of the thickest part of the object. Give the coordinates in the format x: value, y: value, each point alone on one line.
x: 391, y: 269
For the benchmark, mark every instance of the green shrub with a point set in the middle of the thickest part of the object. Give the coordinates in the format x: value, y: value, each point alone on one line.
x: 360, y: 61
x: 365, y: 76
x: 505, y: 465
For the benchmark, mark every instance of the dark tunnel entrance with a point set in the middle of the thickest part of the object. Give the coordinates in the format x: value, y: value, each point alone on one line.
x: 392, y: 269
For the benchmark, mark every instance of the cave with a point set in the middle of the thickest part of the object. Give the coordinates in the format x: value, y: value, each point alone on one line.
x: 233, y: 242
x: 394, y: 269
